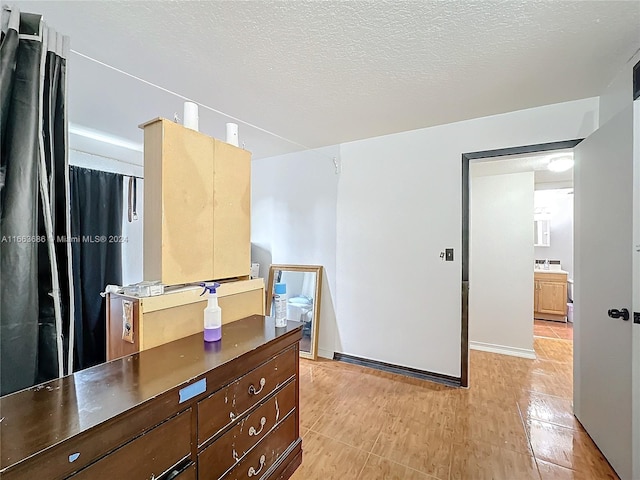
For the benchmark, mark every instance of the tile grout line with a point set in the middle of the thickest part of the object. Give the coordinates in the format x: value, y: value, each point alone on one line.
x: 376, y: 441
x: 407, y: 467
x: 368, y: 456
x: 339, y: 441
x: 496, y: 445
x: 363, y: 466
x: 450, y: 461
x: 564, y: 427
x: 548, y: 395
x: 315, y: 423
x: 526, y: 432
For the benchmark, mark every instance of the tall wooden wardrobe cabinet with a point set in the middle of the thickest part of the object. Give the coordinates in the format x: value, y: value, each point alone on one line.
x: 197, y: 206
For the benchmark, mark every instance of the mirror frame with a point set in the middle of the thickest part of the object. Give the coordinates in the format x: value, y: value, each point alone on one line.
x: 317, y: 269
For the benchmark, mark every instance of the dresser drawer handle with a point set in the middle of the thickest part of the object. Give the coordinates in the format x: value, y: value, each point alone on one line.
x: 252, y: 430
x: 252, y: 389
x: 253, y: 471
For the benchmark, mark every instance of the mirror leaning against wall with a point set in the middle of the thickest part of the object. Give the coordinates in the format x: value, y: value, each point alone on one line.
x: 303, y: 295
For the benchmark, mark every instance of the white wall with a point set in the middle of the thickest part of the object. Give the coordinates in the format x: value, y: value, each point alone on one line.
x: 619, y: 93
x: 132, y: 248
x: 399, y: 206
x: 379, y: 228
x: 560, y: 205
x: 501, y: 263
x: 293, y: 221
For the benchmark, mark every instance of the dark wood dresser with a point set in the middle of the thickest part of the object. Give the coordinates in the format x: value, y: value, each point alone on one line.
x: 185, y: 410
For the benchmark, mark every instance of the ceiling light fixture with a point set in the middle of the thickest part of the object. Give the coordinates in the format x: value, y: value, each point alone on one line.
x: 560, y: 163
x: 85, y: 132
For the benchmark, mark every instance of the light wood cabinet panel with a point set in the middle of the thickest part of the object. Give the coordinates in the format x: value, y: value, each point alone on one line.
x: 231, y: 211
x: 550, y: 296
x: 165, y: 318
x: 197, y: 206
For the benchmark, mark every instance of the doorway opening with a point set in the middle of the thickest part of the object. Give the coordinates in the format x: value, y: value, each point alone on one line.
x: 510, y: 161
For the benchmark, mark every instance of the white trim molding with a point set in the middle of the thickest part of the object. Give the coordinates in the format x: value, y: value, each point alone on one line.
x: 503, y: 350
x: 325, y: 353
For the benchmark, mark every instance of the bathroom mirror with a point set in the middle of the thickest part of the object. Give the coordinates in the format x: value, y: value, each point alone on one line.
x: 303, y: 284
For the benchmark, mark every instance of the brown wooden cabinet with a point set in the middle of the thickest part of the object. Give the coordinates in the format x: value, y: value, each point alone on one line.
x: 184, y: 410
x: 550, y: 296
x: 197, y: 206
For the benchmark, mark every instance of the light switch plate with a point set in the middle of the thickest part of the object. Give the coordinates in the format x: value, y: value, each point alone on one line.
x: 448, y: 255
x: 127, y: 321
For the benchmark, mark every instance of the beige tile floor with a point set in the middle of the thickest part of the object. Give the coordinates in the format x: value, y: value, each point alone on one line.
x: 514, y: 423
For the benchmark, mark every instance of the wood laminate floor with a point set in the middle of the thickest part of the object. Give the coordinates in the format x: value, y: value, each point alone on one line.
x: 514, y: 423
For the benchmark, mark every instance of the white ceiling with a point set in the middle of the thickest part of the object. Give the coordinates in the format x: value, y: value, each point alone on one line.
x: 536, y: 163
x: 325, y: 72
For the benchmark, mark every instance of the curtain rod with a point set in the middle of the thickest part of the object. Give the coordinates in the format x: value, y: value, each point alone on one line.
x: 111, y: 159
x: 105, y: 171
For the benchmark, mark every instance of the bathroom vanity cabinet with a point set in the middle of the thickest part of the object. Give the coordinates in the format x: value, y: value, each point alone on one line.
x: 197, y: 206
x: 550, y: 296
x: 186, y: 410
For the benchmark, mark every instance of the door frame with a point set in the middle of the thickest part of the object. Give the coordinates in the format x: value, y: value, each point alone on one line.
x: 466, y: 159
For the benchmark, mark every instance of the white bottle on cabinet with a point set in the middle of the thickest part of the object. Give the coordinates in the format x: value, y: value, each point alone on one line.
x: 212, y: 314
x: 280, y: 304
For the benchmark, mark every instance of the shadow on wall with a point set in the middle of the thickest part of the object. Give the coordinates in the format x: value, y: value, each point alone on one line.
x: 261, y: 255
x: 328, y: 325
x: 589, y: 124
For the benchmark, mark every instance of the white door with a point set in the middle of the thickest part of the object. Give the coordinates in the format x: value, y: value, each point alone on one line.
x: 603, y: 236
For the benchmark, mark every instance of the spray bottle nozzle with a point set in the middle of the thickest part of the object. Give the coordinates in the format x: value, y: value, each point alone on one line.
x: 210, y: 287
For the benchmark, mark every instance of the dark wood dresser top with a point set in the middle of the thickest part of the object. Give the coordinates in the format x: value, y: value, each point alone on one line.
x: 43, y: 416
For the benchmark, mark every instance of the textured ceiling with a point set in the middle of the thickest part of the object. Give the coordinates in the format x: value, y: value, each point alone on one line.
x: 326, y: 72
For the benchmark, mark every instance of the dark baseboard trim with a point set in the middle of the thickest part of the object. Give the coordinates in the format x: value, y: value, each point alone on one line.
x: 390, y: 368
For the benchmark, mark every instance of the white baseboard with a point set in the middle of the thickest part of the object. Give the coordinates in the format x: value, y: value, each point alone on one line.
x: 503, y: 350
x: 325, y: 353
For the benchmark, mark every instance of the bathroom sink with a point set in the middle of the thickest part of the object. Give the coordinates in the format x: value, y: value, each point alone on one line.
x: 552, y: 269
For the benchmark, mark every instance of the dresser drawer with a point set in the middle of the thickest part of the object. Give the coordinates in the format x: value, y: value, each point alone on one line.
x: 63, y: 459
x: 189, y: 473
x: 229, y: 403
x: 148, y: 455
x: 233, y: 445
x: 262, y: 457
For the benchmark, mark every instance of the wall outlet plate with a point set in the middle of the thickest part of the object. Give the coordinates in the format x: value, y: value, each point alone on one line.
x: 127, y: 321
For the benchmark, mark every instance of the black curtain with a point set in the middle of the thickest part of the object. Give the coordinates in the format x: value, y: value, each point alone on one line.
x: 96, y: 225
x: 53, y: 133
x: 19, y: 290
x: 32, y: 156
